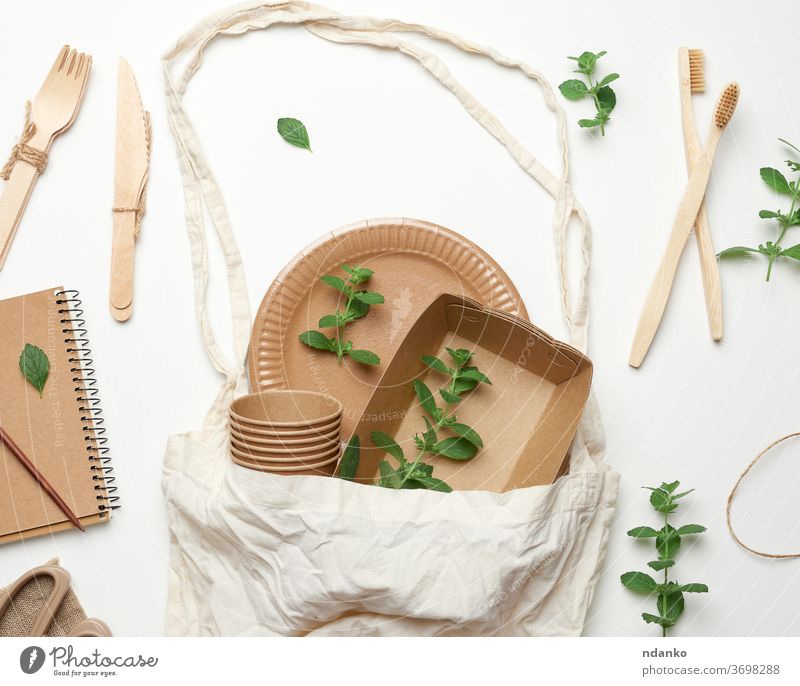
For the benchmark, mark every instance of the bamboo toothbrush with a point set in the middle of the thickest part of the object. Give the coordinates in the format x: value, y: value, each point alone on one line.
x: 691, y: 65
x: 685, y: 217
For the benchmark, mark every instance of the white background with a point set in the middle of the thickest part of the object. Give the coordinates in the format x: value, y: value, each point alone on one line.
x: 389, y: 141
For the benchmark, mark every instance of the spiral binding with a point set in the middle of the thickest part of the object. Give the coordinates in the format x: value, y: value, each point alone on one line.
x: 89, y: 402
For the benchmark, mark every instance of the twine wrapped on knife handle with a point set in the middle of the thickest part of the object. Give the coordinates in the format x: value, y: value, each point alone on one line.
x: 140, y: 205
x: 23, y: 152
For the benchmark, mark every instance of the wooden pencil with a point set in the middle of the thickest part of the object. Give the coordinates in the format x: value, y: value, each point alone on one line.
x: 45, y: 485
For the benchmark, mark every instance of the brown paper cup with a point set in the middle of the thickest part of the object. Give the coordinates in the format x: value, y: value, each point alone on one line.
x: 269, y: 443
x: 315, y: 432
x: 285, y: 460
x: 286, y: 409
x: 325, y: 468
x: 272, y: 452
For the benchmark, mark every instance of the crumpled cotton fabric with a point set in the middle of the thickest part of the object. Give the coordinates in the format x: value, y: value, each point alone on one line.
x: 259, y: 554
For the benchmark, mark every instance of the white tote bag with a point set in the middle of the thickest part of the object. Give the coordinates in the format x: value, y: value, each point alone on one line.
x: 260, y: 554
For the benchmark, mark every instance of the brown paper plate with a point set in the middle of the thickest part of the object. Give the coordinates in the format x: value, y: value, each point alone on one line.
x: 323, y: 468
x: 414, y: 261
x: 286, y: 409
x: 315, y: 432
x: 308, y: 441
x: 283, y: 459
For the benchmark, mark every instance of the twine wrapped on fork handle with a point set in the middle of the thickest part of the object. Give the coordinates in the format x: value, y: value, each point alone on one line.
x: 23, y: 152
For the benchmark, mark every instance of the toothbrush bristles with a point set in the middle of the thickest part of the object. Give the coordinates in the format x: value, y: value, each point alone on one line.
x: 697, y: 71
x: 726, y: 104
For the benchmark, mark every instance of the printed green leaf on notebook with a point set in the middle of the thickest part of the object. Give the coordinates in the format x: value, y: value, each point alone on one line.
x: 35, y: 366
x: 294, y: 132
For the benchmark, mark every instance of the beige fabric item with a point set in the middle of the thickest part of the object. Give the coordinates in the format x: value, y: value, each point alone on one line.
x: 255, y: 553
x: 28, y: 603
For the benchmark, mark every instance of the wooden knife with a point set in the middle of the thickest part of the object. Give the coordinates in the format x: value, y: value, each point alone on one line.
x: 130, y: 182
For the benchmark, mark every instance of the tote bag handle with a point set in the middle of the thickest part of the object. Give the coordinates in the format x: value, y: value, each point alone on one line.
x: 202, y: 193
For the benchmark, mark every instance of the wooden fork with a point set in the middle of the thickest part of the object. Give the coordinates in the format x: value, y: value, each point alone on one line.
x: 54, y: 109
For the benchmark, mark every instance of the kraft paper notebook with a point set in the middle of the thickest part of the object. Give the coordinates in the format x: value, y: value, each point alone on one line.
x: 61, y: 432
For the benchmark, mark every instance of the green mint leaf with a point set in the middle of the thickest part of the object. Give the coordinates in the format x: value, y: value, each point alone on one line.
x: 690, y: 529
x: 573, y: 89
x: 35, y: 367
x: 293, y: 131
x: 639, y: 582
x: 670, y: 605
x: 658, y: 565
x: 429, y: 437
x: 388, y: 478
x: 460, y: 356
x: 318, y: 340
x: 667, y: 545
x: 654, y: 619
x: 348, y: 465
x: 455, y: 448
x: 467, y: 432
x: 670, y: 487
x: 462, y: 385
x: 385, y: 442
x: 335, y: 282
x: 358, y: 274
x: 680, y: 495
x: 606, y: 80
x: 587, y: 61
x: 473, y: 374
x: 368, y: 297
x: 426, y: 398
x: 660, y: 500
x: 793, y: 252
x: 421, y: 469
x: 448, y: 397
x: 329, y: 321
x: 410, y: 483
x: 643, y: 532
x: 768, y: 214
x: 432, y: 483
x: 435, y: 363
x: 356, y: 310
x: 693, y: 588
x: 608, y: 101
x: 775, y: 180
x: 588, y: 123
x: 364, y: 356
x: 737, y: 251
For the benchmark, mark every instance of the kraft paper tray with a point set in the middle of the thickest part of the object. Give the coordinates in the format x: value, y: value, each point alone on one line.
x: 527, y: 418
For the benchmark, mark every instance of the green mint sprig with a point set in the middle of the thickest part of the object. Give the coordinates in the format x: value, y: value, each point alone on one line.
x: 605, y: 100
x: 670, y: 602
x: 778, y: 183
x: 357, y: 304
x: 463, y: 443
